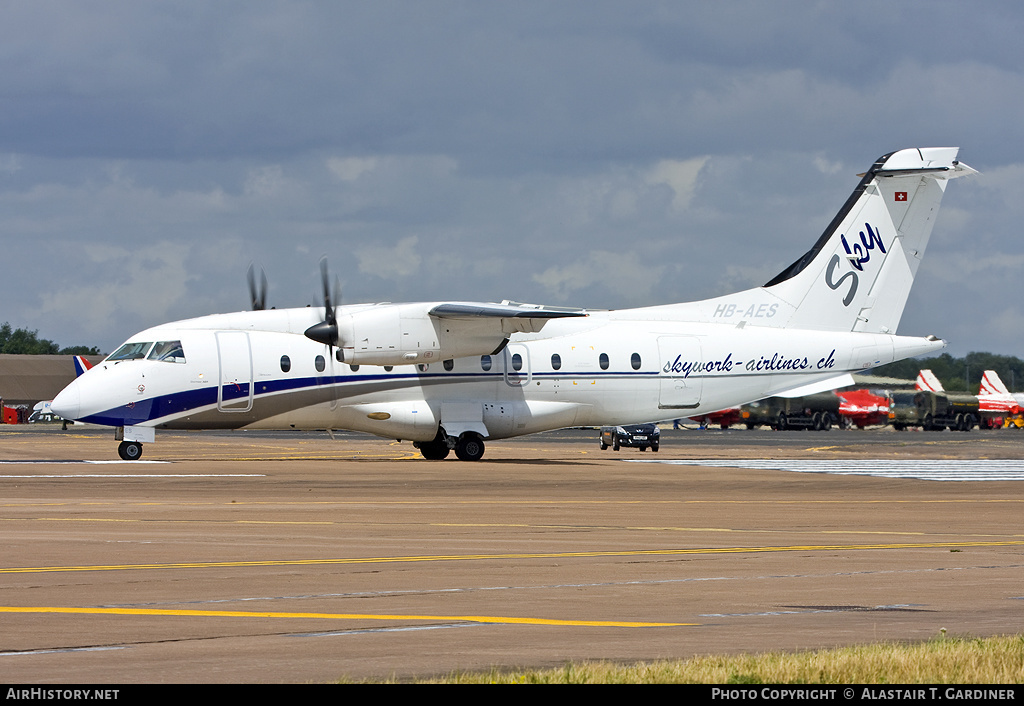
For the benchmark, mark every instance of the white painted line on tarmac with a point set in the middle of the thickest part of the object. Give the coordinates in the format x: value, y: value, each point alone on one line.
x: 917, y: 468
x: 73, y: 461
x: 147, y: 476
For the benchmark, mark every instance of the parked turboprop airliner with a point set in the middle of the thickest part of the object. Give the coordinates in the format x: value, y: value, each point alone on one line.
x: 450, y: 375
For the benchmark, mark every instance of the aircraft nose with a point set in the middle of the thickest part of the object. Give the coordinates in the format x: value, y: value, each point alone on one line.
x: 68, y: 402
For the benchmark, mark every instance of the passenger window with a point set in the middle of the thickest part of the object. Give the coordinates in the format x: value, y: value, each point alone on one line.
x: 449, y: 365
x: 485, y: 362
x: 603, y: 360
x: 517, y: 362
x: 286, y: 364
x: 424, y: 367
x: 388, y: 368
x: 634, y: 360
x: 168, y: 351
x: 353, y: 367
x: 320, y: 363
x: 556, y: 361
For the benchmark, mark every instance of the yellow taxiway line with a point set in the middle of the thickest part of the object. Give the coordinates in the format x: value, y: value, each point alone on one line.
x: 513, y: 555
x: 492, y: 619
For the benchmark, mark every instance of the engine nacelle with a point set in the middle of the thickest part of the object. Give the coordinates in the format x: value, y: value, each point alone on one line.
x: 404, y: 334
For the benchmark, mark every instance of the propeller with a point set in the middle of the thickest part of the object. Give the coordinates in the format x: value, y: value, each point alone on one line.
x: 257, y: 294
x: 326, y: 332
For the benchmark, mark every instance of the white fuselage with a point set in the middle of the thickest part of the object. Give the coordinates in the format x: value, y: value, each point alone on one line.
x: 258, y: 370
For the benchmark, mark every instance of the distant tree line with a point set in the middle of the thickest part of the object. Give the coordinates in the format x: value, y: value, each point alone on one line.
x: 960, y: 374
x: 24, y: 342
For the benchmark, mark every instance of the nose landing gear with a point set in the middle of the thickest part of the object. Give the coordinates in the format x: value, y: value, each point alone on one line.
x: 130, y: 450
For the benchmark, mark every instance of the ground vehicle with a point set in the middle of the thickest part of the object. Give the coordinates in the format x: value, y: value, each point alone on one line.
x: 640, y: 435
x: 933, y: 411
x: 818, y: 412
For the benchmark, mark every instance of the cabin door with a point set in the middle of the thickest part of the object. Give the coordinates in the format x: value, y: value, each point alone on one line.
x: 679, y: 383
x: 234, y: 393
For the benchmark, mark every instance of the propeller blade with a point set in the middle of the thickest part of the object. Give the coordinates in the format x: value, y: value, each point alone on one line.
x: 257, y: 294
x: 326, y: 332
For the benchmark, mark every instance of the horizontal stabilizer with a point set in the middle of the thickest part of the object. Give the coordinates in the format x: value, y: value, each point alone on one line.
x: 822, y: 386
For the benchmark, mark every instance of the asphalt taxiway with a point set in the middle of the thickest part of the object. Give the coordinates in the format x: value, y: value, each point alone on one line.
x: 288, y: 557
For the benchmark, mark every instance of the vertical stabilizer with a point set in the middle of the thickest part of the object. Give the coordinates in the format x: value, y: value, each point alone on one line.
x: 858, y: 274
x: 994, y: 397
x: 926, y: 380
x: 992, y: 384
x: 81, y: 365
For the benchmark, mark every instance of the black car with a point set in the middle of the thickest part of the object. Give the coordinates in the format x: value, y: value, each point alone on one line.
x: 642, y: 435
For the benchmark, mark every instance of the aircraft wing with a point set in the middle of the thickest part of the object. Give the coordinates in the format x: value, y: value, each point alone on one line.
x: 513, y: 317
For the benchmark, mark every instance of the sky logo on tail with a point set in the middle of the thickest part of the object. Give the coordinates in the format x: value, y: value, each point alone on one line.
x: 857, y: 255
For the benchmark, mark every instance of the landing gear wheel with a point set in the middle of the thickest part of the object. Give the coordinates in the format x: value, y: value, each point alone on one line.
x: 435, y: 450
x: 781, y: 424
x: 130, y: 450
x: 826, y: 421
x: 469, y: 447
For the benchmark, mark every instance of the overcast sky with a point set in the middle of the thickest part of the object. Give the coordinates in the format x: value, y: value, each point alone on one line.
x: 598, y: 154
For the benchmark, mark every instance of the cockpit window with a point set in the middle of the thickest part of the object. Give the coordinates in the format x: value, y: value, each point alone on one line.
x: 133, y: 350
x: 169, y: 351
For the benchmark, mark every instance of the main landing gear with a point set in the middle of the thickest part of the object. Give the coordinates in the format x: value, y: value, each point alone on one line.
x: 469, y: 446
x: 130, y: 450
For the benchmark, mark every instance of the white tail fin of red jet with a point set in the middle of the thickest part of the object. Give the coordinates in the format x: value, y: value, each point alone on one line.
x: 993, y: 395
x: 926, y: 380
x: 992, y: 384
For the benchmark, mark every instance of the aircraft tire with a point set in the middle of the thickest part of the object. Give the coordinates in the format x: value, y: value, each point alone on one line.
x: 130, y: 450
x: 781, y: 424
x: 434, y: 450
x: 469, y: 447
x: 826, y: 421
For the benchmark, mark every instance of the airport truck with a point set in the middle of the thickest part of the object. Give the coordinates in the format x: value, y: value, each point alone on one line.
x: 933, y: 411
x: 818, y: 412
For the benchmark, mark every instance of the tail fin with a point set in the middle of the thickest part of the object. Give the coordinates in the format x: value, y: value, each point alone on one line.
x: 858, y: 274
x: 993, y: 395
x: 992, y: 384
x: 926, y: 380
x: 81, y: 365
